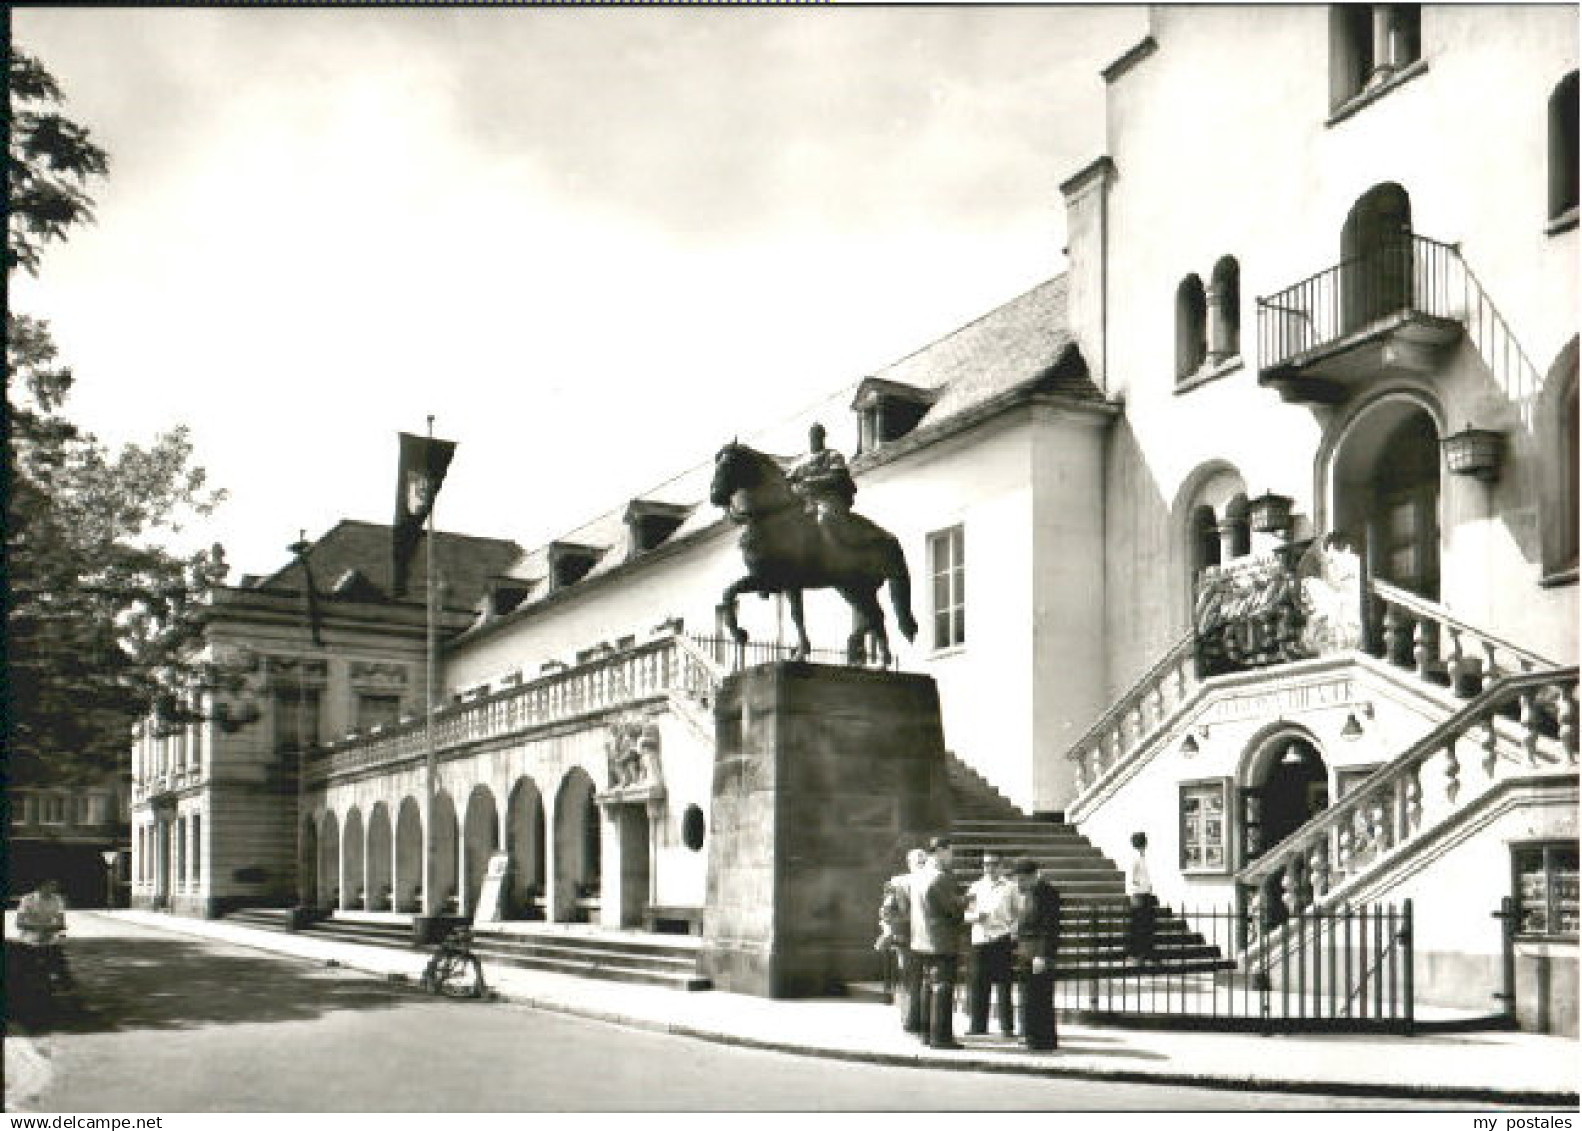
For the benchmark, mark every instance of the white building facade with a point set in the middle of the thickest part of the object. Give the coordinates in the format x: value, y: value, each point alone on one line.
x: 1255, y: 529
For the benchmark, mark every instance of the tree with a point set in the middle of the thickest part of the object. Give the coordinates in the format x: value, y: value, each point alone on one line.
x: 104, y: 625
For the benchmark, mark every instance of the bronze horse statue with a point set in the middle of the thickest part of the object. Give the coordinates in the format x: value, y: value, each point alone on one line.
x: 786, y: 550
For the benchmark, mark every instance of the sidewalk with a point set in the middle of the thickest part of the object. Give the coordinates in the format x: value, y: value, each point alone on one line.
x: 1497, y: 1067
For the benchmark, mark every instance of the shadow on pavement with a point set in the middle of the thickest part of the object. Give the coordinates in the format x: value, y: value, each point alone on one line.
x: 163, y: 982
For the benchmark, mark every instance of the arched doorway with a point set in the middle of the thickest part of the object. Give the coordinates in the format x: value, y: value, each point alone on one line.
x: 379, y: 858
x: 329, y: 863
x: 1376, y: 256
x: 1285, y: 785
x: 352, y: 890
x: 407, y: 889
x: 480, y: 837
x: 578, y: 871
x: 525, y: 843
x: 1385, y: 491
x: 443, y: 878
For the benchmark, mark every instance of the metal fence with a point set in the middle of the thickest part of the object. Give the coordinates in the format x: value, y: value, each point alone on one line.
x: 731, y: 656
x: 1411, y: 272
x: 1345, y: 969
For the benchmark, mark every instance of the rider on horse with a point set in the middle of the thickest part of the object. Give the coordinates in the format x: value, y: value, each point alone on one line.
x: 825, y: 484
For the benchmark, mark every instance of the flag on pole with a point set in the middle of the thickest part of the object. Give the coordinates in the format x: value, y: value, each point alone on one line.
x: 424, y: 461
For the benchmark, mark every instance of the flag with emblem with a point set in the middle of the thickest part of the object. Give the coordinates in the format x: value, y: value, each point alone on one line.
x: 424, y: 461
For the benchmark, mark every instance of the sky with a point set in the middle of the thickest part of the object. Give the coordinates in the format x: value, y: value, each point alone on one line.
x: 594, y: 244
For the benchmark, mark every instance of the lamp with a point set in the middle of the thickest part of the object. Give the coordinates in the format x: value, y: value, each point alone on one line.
x: 1270, y: 513
x: 1351, y: 729
x: 1477, y: 452
x: 1189, y: 746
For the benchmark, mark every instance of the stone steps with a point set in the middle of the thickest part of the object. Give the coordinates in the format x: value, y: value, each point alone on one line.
x: 642, y: 960
x: 1094, y: 915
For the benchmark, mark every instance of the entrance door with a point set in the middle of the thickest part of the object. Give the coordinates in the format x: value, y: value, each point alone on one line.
x: 634, y: 838
x: 1403, y: 525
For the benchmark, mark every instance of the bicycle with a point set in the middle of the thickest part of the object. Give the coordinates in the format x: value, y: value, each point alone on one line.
x: 454, y: 970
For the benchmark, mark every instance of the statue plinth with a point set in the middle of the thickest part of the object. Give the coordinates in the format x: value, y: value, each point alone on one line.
x: 823, y: 778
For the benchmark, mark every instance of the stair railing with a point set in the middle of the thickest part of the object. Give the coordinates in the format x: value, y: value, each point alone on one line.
x: 1135, y: 716
x: 1324, y: 860
x: 1415, y: 633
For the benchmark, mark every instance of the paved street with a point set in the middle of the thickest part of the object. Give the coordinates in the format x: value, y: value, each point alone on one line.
x: 186, y: 1024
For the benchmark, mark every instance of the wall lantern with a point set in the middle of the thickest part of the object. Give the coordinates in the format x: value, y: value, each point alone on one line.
x: 1189, y: 746
x: 1270, y: 513
x: 1476, y: 452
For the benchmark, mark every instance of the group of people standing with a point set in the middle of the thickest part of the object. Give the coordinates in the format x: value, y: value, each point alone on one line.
x: 1014, y: 924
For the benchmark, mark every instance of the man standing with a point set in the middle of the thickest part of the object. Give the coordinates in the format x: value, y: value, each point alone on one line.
x: 992, y: 906
x: 1140, y: 892
x: 936, y: 936
x: 1038, y: 938
x: 895, y: 919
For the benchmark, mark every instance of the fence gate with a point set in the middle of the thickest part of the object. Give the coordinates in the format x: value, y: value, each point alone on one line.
x: 1343, y: 969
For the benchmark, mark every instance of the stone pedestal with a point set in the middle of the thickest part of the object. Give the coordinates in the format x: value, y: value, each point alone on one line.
x: 823, y: 778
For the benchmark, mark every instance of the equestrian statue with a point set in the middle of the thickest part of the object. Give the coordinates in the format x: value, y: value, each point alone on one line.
x: 801, y: 534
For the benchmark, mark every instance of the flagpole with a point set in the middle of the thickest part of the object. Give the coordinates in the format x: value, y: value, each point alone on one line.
x: 431, y: 887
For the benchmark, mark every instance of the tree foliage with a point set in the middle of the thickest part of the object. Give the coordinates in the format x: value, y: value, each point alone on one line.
x: 104, y: 624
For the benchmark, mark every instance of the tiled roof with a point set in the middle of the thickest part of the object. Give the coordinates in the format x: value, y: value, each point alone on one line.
x: 466, y: 563
x: 1010, y: 346
x: 1026, y: 345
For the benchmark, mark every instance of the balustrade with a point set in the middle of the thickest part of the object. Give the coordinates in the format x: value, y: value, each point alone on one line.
x: 1127, y: 725
x: 1388, y: 810
x: 1416, y: 634
x: 657, y: 668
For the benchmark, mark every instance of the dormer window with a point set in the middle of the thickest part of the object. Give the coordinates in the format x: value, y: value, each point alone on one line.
x: 506, y: 593
x: 887, y: 410
x: 569, y: 563
x: 649, y: 523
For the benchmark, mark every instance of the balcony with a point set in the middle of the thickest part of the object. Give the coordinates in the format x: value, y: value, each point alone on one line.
x: 1393, y: 310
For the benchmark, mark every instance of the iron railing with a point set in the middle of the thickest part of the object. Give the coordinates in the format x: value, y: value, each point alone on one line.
x: 1411, y: 273
x: 1340, y: 969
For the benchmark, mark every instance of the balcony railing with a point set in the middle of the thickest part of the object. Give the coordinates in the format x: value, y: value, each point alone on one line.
x: 1413, y: 274
x: 1416, y: 275
x: 685, y: 666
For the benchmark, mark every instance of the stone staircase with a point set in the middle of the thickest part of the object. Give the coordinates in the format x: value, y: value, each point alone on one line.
x: 578, y: 951
x: 1094, y: 911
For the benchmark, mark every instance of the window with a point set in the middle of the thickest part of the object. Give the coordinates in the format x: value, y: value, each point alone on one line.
x: 1557, y: 434
x: 377, y: 710
x: 1205, y: 845
x: 197, y: 848
x: 1191, y: 315
x: 1546, y: 888
x: 53, y: 809
x: 569, y: 563
x: 1371, y: 45
x: 1224, y: 305
x: 181, y: 850
x: 296, y: 718
x: 947, y: 568
x: 1236, y: 529
x: 1563, y: 151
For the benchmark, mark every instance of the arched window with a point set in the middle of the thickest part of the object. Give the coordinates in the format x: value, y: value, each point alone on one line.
x: 1563, y: 148
x: 1224, y: 311
x: 1191, y: 316
x: 1235, y: 531
x: 1205, y: 539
